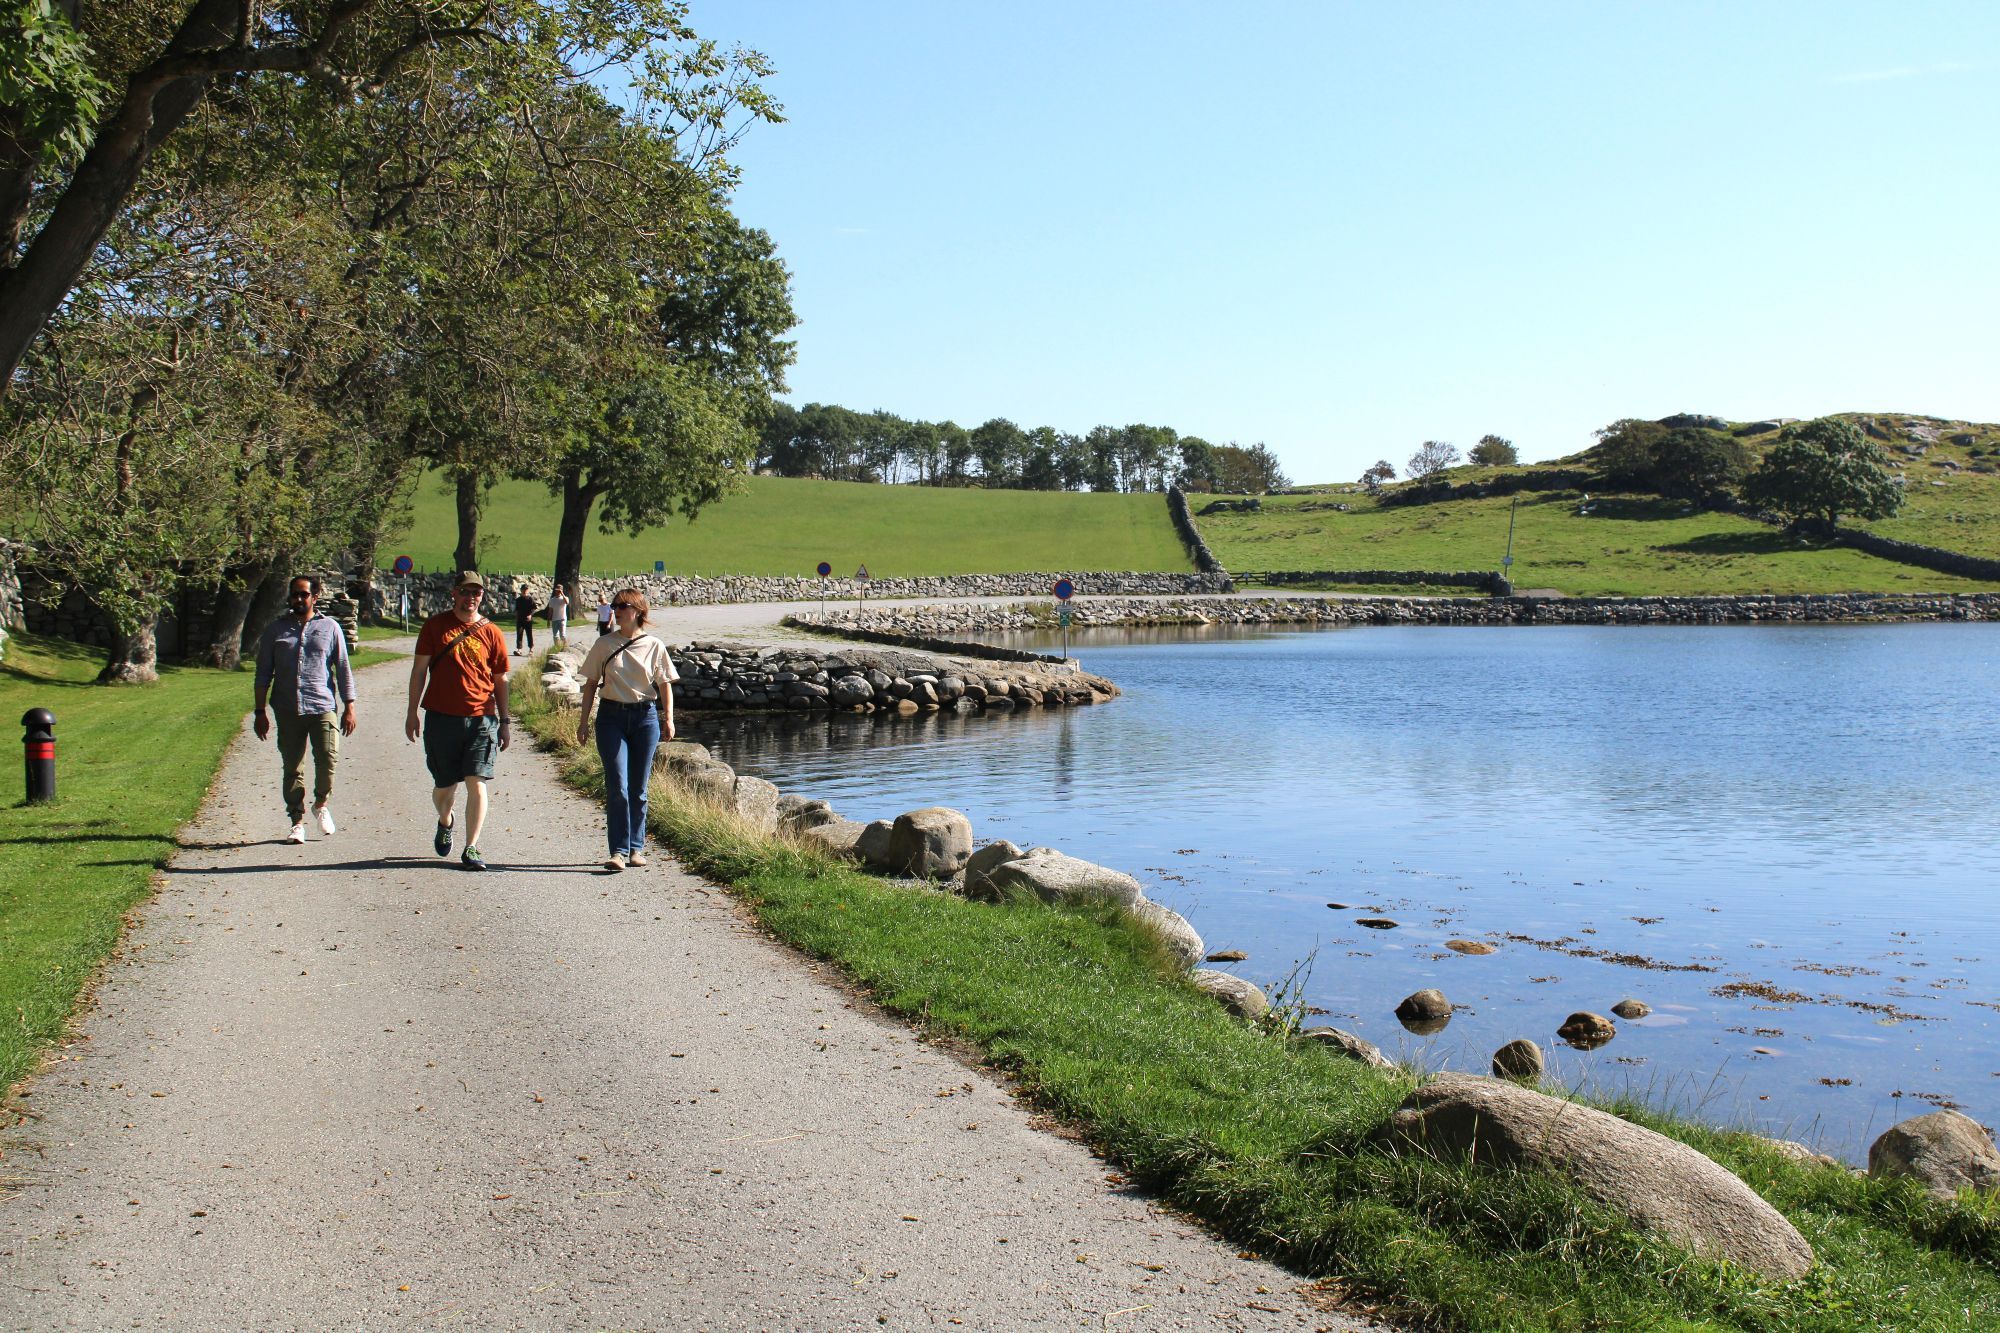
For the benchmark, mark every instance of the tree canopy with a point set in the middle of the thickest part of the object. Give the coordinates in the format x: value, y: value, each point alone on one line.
x: 1819, y: 470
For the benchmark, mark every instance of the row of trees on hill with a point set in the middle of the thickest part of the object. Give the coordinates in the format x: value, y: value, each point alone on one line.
x: 262, y: 265
x: 824, y: 440
x: 1435, y: 456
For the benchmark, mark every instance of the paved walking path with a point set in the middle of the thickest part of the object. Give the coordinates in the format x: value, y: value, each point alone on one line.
x: 348, y: 1085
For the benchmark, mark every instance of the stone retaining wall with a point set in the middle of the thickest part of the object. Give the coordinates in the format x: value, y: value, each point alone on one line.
x: 954, y: 620
x: 432, y: 592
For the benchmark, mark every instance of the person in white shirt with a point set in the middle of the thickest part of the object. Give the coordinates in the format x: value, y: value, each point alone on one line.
x: 559, y: 615
x: 633, y: 674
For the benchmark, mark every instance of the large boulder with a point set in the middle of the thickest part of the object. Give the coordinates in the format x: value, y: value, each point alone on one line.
x: 756, y: 801
x: 981, y: 865
x: 1173, y: 930
x: 851, y: 690
x: 1056, y: 878
x: 674, y: 754
x: 1944, y: 1151
x: 1348, y: 1046
x: 873, y: 845
x: 1424, y: 1006
x: 1666, y: 1188
x: 713, y: 779
x: 932, y: 843
x: 1238, y: 996
x: 1521, y: 1060
x: 797, y: 818
x: 837, y: 836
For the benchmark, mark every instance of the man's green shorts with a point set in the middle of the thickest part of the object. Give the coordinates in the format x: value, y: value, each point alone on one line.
x: 457, y: 748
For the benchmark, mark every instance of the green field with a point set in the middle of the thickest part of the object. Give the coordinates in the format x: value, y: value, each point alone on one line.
x: 784, y: 525
x: 1626, y: 545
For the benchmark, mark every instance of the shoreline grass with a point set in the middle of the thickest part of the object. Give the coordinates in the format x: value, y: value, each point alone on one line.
x: 1267, y: 1140
x: 133, y: 764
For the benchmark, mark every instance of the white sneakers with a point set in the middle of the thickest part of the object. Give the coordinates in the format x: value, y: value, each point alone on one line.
x: 615, y: 861
x: 323, y: 816
x: 636, y: 859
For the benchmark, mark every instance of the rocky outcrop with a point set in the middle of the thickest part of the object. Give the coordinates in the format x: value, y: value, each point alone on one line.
x: 1666, y: 1188
x: 1944, y: 1151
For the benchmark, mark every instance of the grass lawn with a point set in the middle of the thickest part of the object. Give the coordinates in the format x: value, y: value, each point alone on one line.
x: 132, y: 765
x: 1267, y: 1139
x: 785, y: 525
x: 1626, y: 546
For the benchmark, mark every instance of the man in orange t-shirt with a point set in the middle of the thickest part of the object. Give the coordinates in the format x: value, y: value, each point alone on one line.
x: 459, y: 678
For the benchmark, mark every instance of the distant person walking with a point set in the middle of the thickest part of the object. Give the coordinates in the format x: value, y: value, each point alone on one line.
x: 559, y: 615
x: 603, y: 618
x: 635, y: 675
x: 459, y: 677
x: 524, y: 620
x: 303, y: 673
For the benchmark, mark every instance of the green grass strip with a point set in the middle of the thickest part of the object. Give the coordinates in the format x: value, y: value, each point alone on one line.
x: 1267, y: 1139
x: 133, y: 763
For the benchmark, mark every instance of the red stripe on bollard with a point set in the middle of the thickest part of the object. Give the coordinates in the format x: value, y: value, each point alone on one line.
x: 41, y: 750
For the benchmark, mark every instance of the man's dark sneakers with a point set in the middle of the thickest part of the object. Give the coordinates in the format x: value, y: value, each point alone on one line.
x: 472, y: 860
x: 442, y: 842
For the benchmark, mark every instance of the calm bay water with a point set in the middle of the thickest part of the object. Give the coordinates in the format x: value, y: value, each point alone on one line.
x: 1782, y: 839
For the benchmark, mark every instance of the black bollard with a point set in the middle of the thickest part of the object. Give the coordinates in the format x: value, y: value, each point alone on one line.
x: 40, y: 746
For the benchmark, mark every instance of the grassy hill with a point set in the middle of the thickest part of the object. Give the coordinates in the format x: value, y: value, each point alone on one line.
x: 1637, y: 545
x: 784, y: 525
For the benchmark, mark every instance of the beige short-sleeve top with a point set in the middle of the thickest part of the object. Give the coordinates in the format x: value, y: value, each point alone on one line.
x: 637, y: 675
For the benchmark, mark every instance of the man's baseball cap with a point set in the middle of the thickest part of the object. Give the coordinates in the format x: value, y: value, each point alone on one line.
x: 468, y: 578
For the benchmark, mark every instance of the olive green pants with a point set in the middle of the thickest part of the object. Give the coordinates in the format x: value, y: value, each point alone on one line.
x: 295, y: 732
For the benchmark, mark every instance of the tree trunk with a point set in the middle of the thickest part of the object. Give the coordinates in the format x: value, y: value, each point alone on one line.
x: 151, y: 110
x: 134, y: 657
x: 268, y: 603
x: 466, y: 555
x: 232, y: 609
x: 579, y: 497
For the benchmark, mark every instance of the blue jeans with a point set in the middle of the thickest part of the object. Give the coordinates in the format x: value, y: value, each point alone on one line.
x: 627, y: 735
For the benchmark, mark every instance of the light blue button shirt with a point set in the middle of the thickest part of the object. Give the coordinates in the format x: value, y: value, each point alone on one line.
x: 305, y: 666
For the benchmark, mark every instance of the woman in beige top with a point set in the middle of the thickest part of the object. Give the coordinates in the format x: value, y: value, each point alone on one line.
x: 635, y: 676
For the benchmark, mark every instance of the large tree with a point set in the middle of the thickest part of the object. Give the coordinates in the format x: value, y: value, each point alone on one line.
x: 109, y: 84
x: 1819, y: 470
x: 687, y: 423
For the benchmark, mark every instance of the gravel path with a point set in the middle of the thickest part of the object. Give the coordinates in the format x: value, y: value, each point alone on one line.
x: 348, y: 1085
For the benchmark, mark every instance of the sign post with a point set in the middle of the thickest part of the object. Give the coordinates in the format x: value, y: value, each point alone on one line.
x: 1507, y: 560
x: 861, y: 585
x: 403, y: 566
x: 824, y: 570
x: 1064, y: 590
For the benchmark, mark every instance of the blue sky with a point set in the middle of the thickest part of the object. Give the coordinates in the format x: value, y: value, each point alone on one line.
x: 1342, y: 229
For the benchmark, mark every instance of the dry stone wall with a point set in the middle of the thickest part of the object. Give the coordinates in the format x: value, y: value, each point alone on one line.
x: 849, y: 678
x: 432, y: 592
x: 949, y: 621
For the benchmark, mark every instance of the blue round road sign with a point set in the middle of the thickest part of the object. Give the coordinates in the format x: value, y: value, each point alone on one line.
x: 1065, y: 589
x: 404, y: 564
x: 824, y: 569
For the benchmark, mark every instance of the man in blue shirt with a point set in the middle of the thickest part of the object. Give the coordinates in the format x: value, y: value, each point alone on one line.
x: 303, y: 672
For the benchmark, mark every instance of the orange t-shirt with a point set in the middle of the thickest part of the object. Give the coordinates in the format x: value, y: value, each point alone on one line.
x: 466, y: 662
